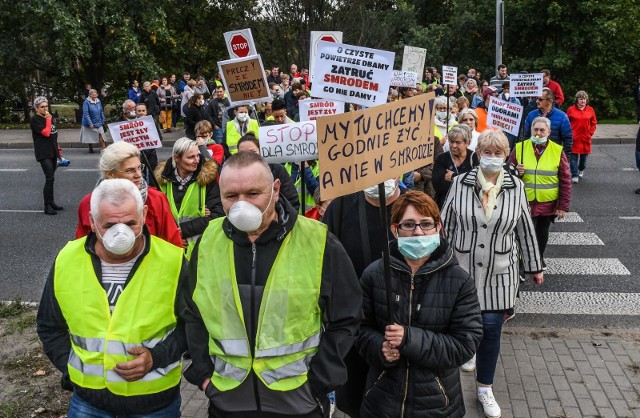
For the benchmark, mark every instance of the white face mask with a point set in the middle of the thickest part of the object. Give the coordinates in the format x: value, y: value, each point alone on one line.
x: 242, y: 116
x: 119, y: 239
x: 491, y: 164
x: 538, y: 140
x: 506, y: 96
x: 390, y: 187
x: 441, y: 115
x: 246, y: 216
x: 131, y: 115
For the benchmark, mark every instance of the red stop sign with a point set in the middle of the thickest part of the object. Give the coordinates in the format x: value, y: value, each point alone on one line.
x: 240, y: 45
x: 329, y: 38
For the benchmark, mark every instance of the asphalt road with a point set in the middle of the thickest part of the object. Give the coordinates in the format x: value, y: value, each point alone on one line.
x: 594, y: 268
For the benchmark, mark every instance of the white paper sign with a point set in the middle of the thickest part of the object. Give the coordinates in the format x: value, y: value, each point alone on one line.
x: 240, y: 43
x: 404, y: 79
x: 317, y: 36
x: 525, y: 85
x: 353, y: 74
x: 289, y: 143
x: 449, y: 75
x: 140, y: 132
x: 413, y: 60
x: 504, y: 115
x: 312, y: 109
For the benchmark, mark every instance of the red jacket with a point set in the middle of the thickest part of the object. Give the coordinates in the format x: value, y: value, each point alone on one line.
x: 557, y: 91
x: 159, y: 218
x: 583, y: 125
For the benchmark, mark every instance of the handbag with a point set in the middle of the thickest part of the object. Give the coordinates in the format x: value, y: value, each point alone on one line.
x: 161, y: 118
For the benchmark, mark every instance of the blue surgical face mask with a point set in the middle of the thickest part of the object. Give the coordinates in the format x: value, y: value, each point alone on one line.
x: 491, y: 164
x: 539, y: 141
x: 418, y: 246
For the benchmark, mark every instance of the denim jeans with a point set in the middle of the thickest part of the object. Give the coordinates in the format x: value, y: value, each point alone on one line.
x: 489, y: 349
x: 78, y: 408
x: 578, y: 162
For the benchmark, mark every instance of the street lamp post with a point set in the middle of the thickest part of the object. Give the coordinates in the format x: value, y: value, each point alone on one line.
x: 499, y: 31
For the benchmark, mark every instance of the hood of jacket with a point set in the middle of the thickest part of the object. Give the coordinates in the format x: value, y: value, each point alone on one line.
x: 206, y: 173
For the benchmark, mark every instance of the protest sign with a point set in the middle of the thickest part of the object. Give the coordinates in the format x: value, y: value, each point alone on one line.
x: 244, y: 80
x: 312, y: 109
x: 504, y: 115
x: 359, y: 149
x: 525, y: 85
x: 240, y: 43
x: 317, y: 36
x: 404, y: 79
x: 140, y: 132
x: 449, y: 75
x: 352, y: 74
x: 290, y: 142
x: 413, y: 60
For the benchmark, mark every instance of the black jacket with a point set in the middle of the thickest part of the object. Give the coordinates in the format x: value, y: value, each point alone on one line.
x: 152, y: 101
x: 54, y: 334
x: 205, y: 175
x: 444, y: 162
x: 340, y: 302
x: 195, y: 114
x: 443, y: 328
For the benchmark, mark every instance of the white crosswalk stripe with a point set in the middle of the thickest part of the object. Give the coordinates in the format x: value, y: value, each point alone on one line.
x: 586, y: 303
x: 574, y: 238
x: 571, y: 217
x: 586, y: 266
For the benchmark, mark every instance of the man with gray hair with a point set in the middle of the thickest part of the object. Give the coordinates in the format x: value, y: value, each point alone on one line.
x: 119, y: 351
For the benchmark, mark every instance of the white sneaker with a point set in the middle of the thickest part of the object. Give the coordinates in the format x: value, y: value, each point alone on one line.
x: 575, y: 179
x: 489, y: 404
x: 470, y: 365
x: 581, y: 174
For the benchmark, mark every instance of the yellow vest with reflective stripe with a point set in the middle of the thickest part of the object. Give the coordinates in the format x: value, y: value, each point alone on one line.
x: 143, y: 316
x: 289, y: 321
x: 233, y: 136
x: 540, y: 176
x: 192, y: 206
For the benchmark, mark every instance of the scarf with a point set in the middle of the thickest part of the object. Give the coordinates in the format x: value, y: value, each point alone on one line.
x: 489, y: 192
x: 143, y: 189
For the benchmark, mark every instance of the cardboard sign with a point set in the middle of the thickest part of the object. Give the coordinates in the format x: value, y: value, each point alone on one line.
x: 413, y: 60
x: 317, y: 36
x: 449, y: 75
x: 352, y: 74
x: 290, y: 142
x: 140, y: 132
x: 525, y: 85
x: 312, y: 109
x: 240, y: 43
x: 504, y: 115
x: 359, y: 149
x: 404, y: 79
x: 244, y: 80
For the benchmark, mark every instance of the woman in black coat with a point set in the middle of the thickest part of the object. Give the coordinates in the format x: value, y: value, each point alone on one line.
x: 436, y: 325
x: 194, y: 114
x: 45, y: 146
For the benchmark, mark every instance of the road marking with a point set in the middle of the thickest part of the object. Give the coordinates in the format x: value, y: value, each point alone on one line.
x: 574, y: 238
x: 588, y: 266
x: 628, y: 169
x: 20, y: 211
x: 571, y: 217
x: 13, y: 169
x: 630, y: 218
x: 585, y: 303
x: 81, y: 169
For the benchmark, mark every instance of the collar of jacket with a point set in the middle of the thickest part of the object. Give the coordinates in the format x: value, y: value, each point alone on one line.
x: 469, y: 179
x: 206, y: 172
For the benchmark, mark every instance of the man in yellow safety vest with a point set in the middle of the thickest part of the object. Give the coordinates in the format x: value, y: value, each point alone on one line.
x: 271, y: 316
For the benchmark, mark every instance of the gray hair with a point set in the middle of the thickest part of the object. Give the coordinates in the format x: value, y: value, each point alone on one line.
x: 441, y: 100
x: 541, y: 119
x: 492, y: 137
x: 471, y: 81
x: 469, y: 111
x: 115, y: 192
x: 582, y: 95
x: 182, y: 146
x: 146, y: 84
x: 39, y: 100
x: 127, y: 103
x: 461, y: 130
x: 115, y: 154
x: 93, y: 91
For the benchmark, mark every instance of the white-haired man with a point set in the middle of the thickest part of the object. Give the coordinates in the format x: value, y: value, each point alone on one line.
x: 108, y: 319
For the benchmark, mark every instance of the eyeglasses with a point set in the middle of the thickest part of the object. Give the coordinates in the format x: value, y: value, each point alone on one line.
x: 133, y: 170
x: 411, y: 226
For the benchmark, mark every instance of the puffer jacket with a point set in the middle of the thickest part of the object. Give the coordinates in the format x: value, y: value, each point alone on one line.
x: 439, y: 310
x: 206, y: 176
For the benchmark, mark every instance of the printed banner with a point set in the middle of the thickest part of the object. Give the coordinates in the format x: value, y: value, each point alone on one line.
x: 359, y: 149
x: 289, y: 143
x: 352, y: 74
x: 504, y: 115
x: 244, y: 80
x: 317, y: 36
x: 413, y: 60
x: 312, y: 109
x: 139, y: 132
x: 240, y: 43
x: 525, y: 85
x: 404, y: 79
x: 449, y: 75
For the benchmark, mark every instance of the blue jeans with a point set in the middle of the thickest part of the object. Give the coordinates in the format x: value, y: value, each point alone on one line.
x: 578, y: 162
x: 489, y: 349
x: 78, y: 408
